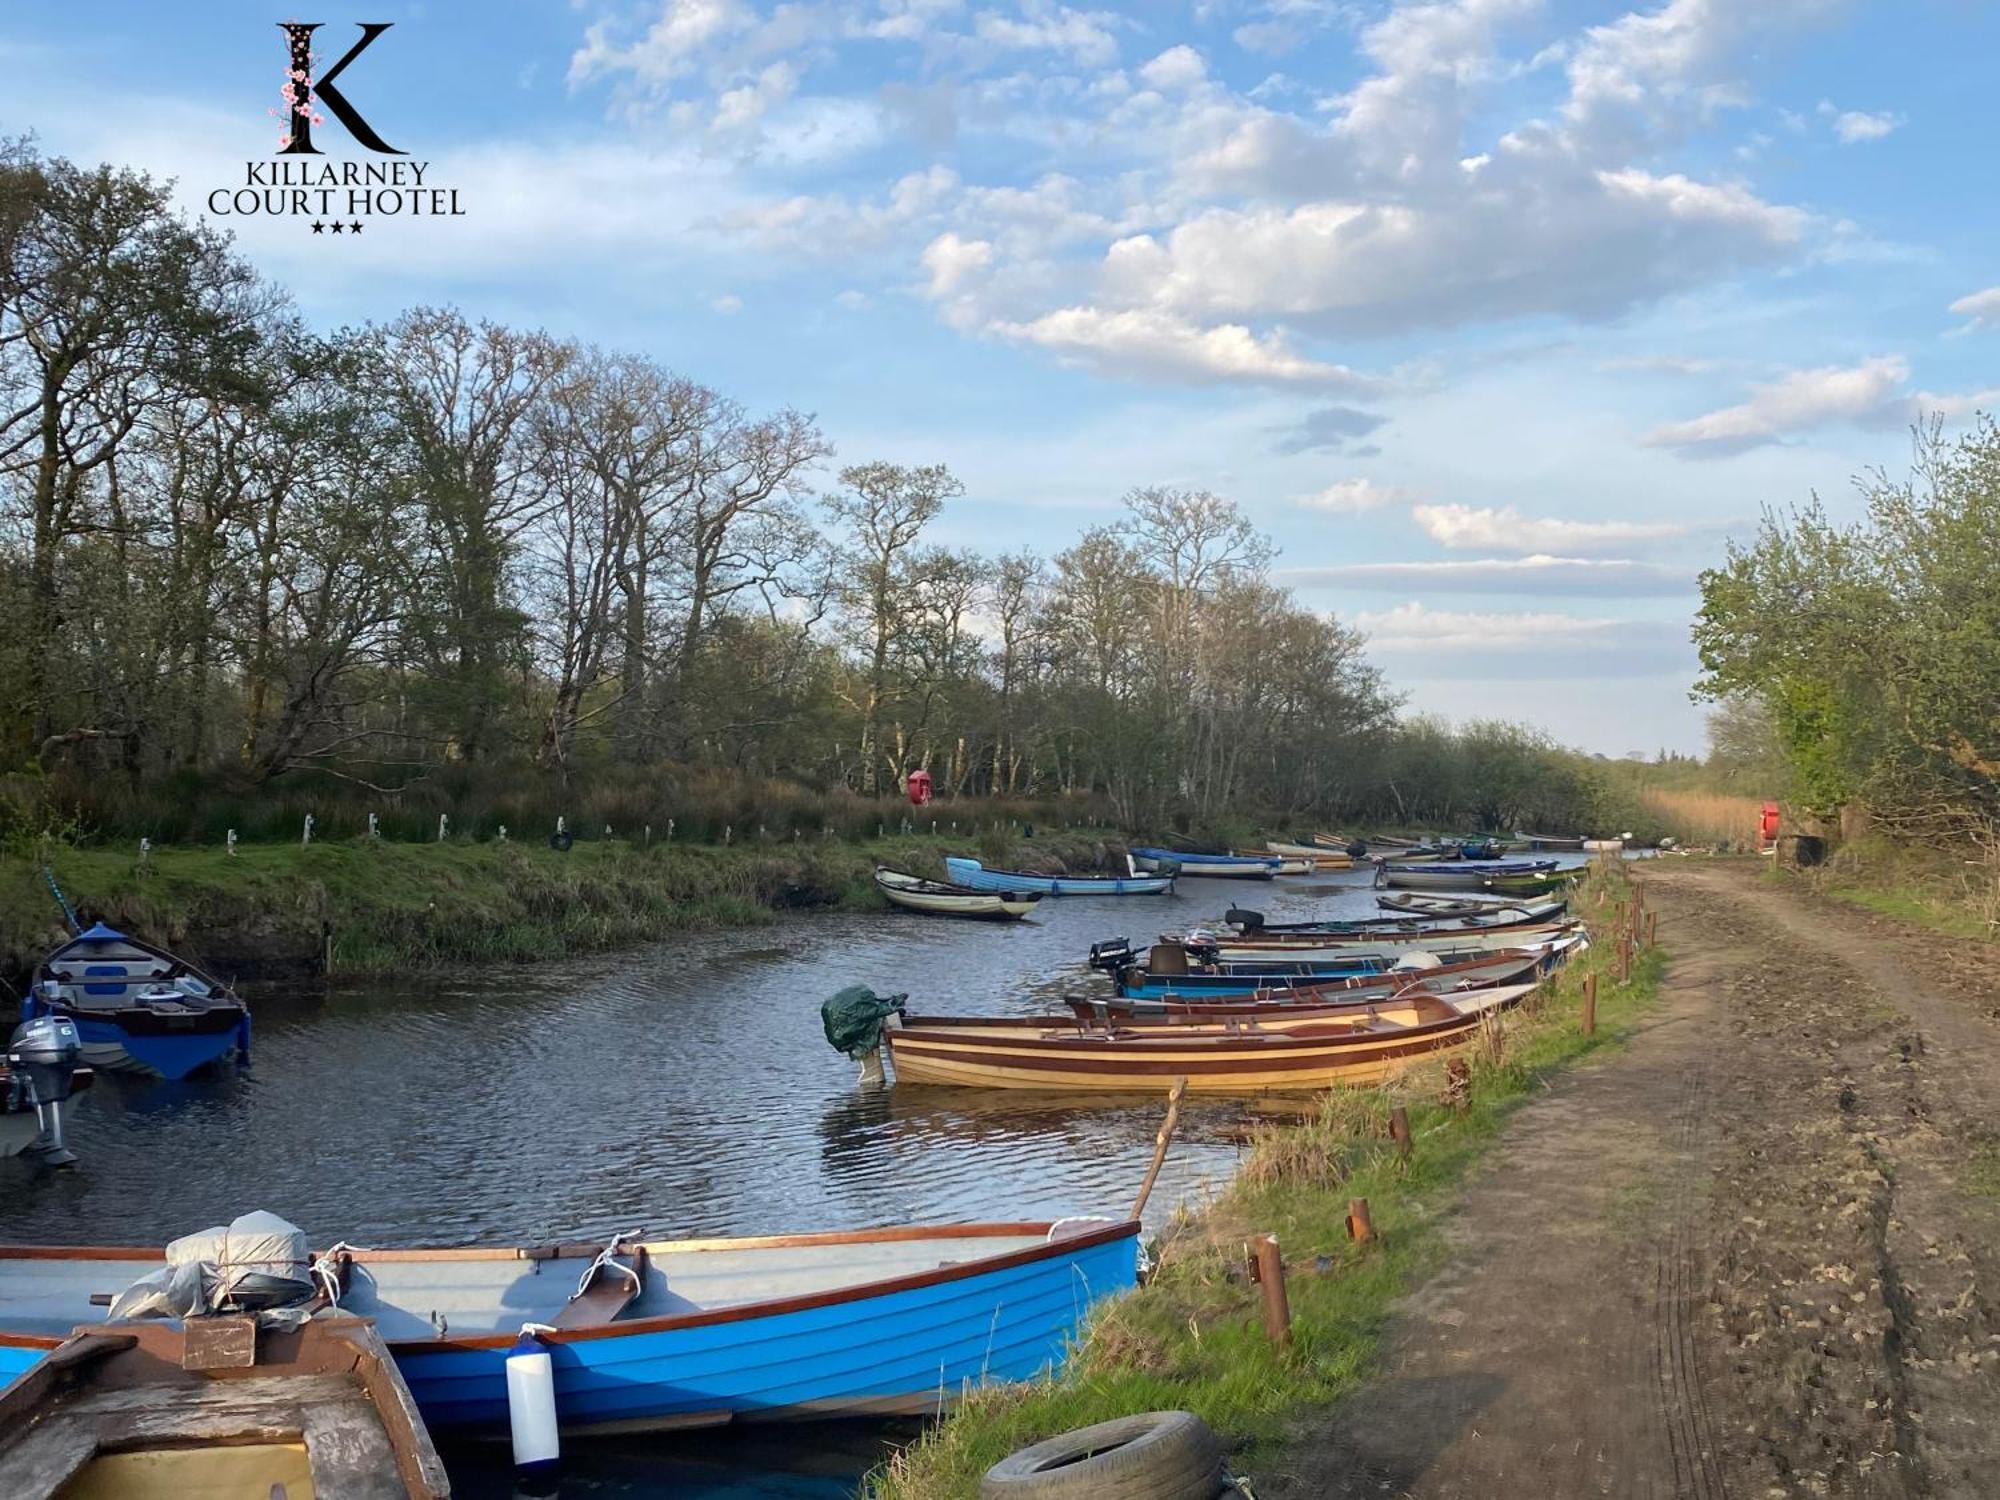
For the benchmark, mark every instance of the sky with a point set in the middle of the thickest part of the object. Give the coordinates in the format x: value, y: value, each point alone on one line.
x: 1499, y: 316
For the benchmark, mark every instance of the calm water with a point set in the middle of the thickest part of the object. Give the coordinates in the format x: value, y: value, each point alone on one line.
x: 679, y: 1089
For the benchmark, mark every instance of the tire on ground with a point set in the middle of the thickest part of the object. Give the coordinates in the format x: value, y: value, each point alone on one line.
x: 1161, y: 1455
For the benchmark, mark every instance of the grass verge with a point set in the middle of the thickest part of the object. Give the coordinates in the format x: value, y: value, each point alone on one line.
x: 1952, y: 889
x: 1192, y: 1338
x: 271, y: 908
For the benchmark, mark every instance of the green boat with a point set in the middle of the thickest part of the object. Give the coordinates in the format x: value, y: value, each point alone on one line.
x: 1531, y: 885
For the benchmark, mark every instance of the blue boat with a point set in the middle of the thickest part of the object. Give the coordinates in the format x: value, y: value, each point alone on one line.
x: 684, y: 1333
x: 1214, y: 866
x: 137, y: 1008
x: 971, y: 872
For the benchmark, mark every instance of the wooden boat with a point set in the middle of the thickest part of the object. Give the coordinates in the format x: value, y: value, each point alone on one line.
x: 1172, y: 972
x: 1209, y: 866
x: 1288, y: 864
x: 1506, y: 967
x: 1435, y: 905
x: 1322, y: 859
x: 1603, y: 846
x: 681, y: 1333
x: 969, y: 872
x: 1335, y: 947
x: 939, y: 899
x: 1531, y: 885
x: 1458, y: 875
x: 158, y: 1411
x: 1251, y: 928
x: 1552, y: 841
x: 138, y: 1008
x: 1360, y: 1047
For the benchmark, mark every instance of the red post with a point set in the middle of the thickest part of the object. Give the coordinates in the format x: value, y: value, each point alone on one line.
x: 1360, y: 1228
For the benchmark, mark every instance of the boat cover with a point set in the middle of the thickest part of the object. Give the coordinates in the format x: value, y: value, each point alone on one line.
x: 853, y: 1018
x: 258, y: 1262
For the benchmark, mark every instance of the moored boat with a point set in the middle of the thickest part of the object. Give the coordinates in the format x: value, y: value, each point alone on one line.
x: 138, y: 1008
x: 1552, y: 841
x: 1546, y: 883
x: 1506, y: 967
x: 1251, y: 928
x: 942, y: 899
x: 214, y: 1407
x: 1210, y: 866
x: 1335, y: 947
x: 1321, y: 859
x: 970, y: 872
x: 1457, y: 875
x: 1171, y: 971
x: 664, y: 1334
x: 1365, y: 1046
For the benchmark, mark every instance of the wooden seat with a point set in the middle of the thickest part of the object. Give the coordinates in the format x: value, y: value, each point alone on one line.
x: 607, y: 1294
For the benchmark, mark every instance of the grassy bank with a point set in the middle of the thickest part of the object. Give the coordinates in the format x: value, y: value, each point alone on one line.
x: 1192, y: 1338
x: 1952, y: 888
x: 374, y: 906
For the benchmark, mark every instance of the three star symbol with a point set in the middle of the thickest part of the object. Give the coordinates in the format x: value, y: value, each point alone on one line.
x: 352, y: 226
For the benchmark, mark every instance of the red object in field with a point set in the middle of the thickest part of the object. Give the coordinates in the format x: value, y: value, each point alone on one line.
x: 920, y: 788
x: 1767, y: 825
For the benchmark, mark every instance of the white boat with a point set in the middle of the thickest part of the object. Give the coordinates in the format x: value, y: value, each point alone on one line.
x: 938, y: 898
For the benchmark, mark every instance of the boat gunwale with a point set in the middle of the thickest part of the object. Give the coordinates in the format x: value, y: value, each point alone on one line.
x: 1084, y: 1239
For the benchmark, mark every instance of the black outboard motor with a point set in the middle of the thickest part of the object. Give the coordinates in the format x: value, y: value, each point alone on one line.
x: 1358, y: 849
x: 1243, y: 919
x: 1112, y: 955
x: 42, y: 1057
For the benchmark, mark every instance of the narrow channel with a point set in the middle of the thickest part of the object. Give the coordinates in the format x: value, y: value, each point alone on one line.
x: 682, y: 1088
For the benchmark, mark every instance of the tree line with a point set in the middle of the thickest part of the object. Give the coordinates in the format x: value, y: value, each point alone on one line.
x: 238, y: 548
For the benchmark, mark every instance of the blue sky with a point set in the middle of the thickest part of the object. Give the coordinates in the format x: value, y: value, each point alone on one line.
x: 1499, y: 315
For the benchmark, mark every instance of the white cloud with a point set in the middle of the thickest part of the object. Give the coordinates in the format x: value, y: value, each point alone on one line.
x: 1533, y: 576
x: 1418, y: 627
x: 1854, y: 126
x: 1800, y: 401
x: 1479, y: 645
x: 1176, y: 68
x: 1980, y: 309
x: 1351, y: 497
x: 1148, y: 345
x: 1083, y: 35
x: 727, y: 304
x: 667, y: 50
x: 1505, y: 529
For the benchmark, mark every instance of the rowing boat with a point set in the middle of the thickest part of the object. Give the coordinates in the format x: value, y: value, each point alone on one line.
x: 1209, y: 866
x: 1507, y: 967
x: 1546, y: 883
x: 1457, y: 875
x: 664, y: 1334
x: 1427, y: 904
x: 1172, y: 971
x: 1357, y: 1048
x: 939, y: 898
x: 1252, y: 928
x: 970, y: 872
x: 138, y: 1008
x: 216, y: 1406
x: 1334, y: 947
x: 1321, y: 859
x: 1552, y: 841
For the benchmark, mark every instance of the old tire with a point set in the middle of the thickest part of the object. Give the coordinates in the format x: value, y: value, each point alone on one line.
x: 1160, y: 1455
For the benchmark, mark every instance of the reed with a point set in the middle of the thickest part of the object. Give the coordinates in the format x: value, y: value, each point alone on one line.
x: 1193, y: 1338
x: 1714, y: 818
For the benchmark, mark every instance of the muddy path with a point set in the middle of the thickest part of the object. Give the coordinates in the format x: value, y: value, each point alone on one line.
x: 1756, y: 1253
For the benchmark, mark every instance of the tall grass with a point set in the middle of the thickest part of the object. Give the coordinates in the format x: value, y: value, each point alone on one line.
x: 1706, y: 817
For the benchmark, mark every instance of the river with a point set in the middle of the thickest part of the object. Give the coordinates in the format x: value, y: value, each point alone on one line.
x: 682, y: 1088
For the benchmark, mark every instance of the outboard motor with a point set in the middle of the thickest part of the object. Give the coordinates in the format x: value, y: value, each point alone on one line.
x: 42, y: 1058
x: 1112, y: 955
x: 1358, y: 849
x: 1243, y: 919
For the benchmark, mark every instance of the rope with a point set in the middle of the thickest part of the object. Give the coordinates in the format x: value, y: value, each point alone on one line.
x: 326, y: 1271
x: 68, y: 911
x: 607, y: 1260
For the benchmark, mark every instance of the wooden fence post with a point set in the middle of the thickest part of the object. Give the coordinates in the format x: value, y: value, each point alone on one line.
x: 1267, y: 1269
x: 1590, y: 1005
x: 1399, y: 1132
x: 1360, y: 1227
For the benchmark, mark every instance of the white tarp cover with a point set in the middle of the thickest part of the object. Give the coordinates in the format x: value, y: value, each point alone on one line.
x: 258, y: 1262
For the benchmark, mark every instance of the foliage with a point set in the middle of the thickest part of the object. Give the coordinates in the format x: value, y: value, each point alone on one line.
x: 1874, y: 648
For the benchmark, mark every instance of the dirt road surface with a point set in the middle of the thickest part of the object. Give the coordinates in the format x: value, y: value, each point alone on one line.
x: 1755, y: 1253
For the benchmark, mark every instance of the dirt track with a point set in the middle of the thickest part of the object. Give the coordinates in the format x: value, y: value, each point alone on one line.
x: 1753, y: 1254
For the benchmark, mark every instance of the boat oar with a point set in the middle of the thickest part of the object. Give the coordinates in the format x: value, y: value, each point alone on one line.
x: 68, y: 911
x: 1160, y: 1143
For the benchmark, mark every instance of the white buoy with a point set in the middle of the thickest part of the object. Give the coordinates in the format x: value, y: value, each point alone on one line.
x: 531, y: 1401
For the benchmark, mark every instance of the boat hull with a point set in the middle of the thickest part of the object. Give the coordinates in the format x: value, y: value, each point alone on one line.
x: 1208, y: 866
x: 937, y: 900
x: 1231, y: 1061
x: 959, y: 1316
x: 970, y: 872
